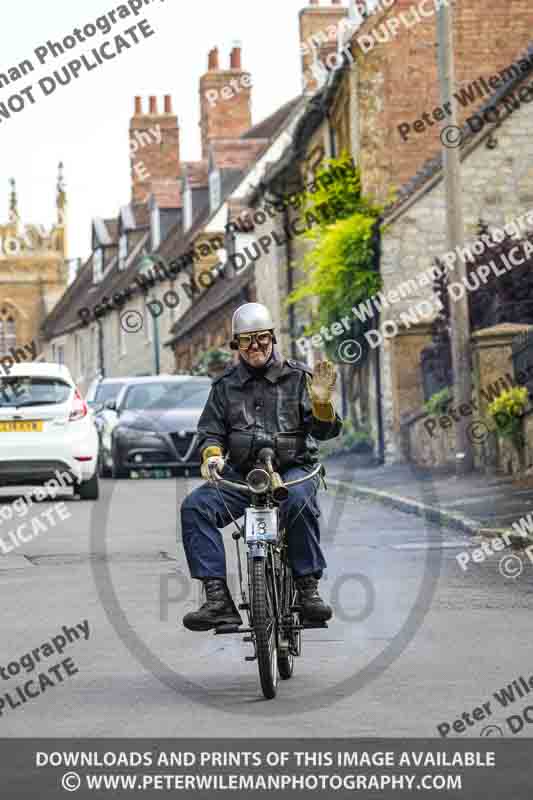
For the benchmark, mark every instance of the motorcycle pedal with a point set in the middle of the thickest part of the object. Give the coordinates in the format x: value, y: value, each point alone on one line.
x: 250, y: 658
x: 226, y: 628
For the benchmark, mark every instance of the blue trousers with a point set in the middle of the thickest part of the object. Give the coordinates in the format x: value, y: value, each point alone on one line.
x: 203, y: 513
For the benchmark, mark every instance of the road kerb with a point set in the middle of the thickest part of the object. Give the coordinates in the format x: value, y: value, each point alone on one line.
x: 409, y: 506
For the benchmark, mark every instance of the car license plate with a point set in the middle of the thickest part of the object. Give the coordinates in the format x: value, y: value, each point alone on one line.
x: 22, y: 426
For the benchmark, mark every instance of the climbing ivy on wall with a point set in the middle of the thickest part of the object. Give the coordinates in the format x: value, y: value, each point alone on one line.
x: 341, y: 265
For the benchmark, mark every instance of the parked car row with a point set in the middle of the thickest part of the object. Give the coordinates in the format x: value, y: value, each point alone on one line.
x: 148, y: 423
x: 47, y: 429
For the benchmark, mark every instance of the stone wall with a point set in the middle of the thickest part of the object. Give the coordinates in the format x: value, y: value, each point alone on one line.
x: 430, y: 441
x: 497, y: 187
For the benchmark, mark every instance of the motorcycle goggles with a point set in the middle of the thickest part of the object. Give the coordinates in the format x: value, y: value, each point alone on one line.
x: 245, y: 340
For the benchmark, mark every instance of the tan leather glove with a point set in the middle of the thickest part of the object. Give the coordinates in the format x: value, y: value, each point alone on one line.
x: 321, y: 389
x: 211, y: 456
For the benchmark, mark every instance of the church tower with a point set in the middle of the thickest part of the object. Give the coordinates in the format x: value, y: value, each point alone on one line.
x: 33, y: 271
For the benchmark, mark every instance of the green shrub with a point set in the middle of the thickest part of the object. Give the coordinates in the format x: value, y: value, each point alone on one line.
x: 438, y: 403
x: 351, y: 440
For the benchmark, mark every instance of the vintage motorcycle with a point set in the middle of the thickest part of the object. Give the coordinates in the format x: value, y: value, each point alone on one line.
x: 275, y: 624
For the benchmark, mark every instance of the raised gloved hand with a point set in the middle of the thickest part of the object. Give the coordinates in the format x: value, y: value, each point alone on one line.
x: 323, y: 383
x: 211, y: 457
x: 321, y: 388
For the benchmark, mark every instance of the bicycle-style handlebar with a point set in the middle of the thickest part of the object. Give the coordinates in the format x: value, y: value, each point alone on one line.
x: 216, y: 478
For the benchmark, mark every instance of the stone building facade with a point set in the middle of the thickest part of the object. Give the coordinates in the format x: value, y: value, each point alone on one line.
x: 497, y: 178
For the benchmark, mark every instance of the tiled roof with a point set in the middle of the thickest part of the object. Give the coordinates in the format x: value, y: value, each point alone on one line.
x: 234, y: 158
x: 268, y: 127
x: 84, y: 293
x: 220, y: 293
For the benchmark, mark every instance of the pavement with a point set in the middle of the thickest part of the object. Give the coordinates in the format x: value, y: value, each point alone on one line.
x: 486, y: 504
x: 415, y: 641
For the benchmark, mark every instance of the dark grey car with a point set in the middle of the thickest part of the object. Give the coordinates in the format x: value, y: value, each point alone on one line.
x: 157, y: 420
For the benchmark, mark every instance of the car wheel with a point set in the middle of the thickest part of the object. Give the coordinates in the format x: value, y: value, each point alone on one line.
x: 89, y: 490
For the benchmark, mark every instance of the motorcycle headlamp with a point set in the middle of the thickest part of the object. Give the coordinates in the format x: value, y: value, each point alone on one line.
x: 258, y: 481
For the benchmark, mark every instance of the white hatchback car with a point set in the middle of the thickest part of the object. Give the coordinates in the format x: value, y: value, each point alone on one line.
x: 46, y: 430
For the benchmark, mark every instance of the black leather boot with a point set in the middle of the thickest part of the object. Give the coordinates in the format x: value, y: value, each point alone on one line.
x: 218, y: 608
x: 314, y: 609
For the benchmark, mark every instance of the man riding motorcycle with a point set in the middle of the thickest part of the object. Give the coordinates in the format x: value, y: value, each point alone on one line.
x: 262, y: 395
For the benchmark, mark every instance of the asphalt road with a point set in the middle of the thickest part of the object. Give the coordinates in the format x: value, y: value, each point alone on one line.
x: 415, y: 641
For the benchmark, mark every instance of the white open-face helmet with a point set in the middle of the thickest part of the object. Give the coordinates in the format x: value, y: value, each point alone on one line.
x: 249, y: 318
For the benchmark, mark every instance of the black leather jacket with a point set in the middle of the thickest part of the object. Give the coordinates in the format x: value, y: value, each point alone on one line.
x: 243, y: 408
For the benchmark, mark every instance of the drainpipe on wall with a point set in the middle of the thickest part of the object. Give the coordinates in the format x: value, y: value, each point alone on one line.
x: 101, y: 357
x: 157, y: 359
x: 343, y: 387
x: 379, y: 408
x: 379, y: 399
x: 290, y: 285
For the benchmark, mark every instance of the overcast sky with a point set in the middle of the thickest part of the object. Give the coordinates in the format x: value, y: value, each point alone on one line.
x: 85, y: 124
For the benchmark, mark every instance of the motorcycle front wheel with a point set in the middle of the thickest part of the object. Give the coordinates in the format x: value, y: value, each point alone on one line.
x: 264, y: 623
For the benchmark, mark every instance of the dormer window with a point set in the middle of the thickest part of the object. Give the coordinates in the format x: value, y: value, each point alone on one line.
x: 98, y: 265
x: 155, y: 224
x: 187, y: 209
x: 122, y: 250
x: 215, y: 190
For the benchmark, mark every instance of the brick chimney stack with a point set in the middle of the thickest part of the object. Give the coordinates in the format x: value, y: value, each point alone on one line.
x: 319, y: 26
x: 225, y: 99
x: 154, y: 146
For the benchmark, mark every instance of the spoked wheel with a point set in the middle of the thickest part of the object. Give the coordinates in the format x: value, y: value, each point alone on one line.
x: 264, y: 622
x: 290, y: 645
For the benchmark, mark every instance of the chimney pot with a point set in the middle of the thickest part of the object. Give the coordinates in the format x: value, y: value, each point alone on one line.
x: 313, y: 2
x: 336, y: 2
x: 153, y: 104
x: 168, y: 104
x: 138, y: 106
x: 236, y: 57
x: 213, y: 59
